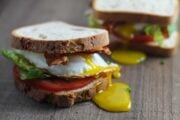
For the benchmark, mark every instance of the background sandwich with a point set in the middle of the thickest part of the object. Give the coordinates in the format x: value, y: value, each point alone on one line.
x: 58, y: 63
x: 141, y: 25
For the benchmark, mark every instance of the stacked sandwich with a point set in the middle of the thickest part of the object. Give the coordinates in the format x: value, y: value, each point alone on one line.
x: 59, y: 63
x: 143, y: 25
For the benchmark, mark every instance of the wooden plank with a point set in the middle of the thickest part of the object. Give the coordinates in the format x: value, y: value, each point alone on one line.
x: 3, y: 4
x: 155, y: 87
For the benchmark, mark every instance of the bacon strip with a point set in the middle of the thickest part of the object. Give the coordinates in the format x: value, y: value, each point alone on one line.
x: 56, y: 59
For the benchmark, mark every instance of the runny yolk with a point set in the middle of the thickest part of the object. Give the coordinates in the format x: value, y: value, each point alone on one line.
x: 94, y: 69
x: 128, y: 56
x: 126, y: 30
x: 116, y: 98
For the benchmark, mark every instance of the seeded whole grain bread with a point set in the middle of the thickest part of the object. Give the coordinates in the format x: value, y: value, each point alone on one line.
x: 152, y: 11
x: 63, y: 98
x: 57, y: 37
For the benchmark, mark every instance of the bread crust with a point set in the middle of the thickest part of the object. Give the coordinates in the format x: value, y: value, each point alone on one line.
x: 136, y: 17
x: 61, y: 47
x: 64, y: 98
x: 148, y: 49
x: 154, y: 50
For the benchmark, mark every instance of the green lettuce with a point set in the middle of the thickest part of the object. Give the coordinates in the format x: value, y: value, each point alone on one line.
x: 27, y: 70
x: 93, y: 22
x: 155, y: 31
x: 172, y: 27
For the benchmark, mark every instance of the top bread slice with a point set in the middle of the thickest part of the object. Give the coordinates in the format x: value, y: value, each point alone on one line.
x: 151, y: 11
x: 57, y: 37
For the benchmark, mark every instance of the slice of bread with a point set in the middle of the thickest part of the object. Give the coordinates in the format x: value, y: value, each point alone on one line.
x: 152, y: 11
x: 59, y: 37
x: 64, y: 98
x: 167, y: 49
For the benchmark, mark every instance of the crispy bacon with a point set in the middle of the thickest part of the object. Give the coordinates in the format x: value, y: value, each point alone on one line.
x: 56, y: 59
x: 104, y: 50
x: 53, y: 59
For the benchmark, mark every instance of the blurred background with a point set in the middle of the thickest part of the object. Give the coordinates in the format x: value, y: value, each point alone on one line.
x: 13, y: 105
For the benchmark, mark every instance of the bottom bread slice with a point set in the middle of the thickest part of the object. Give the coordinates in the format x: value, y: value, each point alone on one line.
x: 167, y: 49
x: 64, y: 98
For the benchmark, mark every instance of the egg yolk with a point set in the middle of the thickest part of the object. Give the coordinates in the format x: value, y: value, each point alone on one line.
x: 126, y: 30
x: 128, y: 56
x: 116, y: 98
x: 94, y: 69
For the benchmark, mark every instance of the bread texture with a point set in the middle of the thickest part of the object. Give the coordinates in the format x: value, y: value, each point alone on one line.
x: 63, y: 98
x: 166, y: 50
x: 59, y: 37
x: 159, y: 12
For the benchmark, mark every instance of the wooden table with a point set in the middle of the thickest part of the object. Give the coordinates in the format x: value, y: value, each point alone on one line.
x: 155, y: 87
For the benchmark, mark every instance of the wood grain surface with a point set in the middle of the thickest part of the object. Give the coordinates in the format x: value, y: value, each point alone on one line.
x: 155, y: 87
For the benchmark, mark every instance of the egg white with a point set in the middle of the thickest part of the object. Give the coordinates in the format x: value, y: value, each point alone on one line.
x: 75, y: 67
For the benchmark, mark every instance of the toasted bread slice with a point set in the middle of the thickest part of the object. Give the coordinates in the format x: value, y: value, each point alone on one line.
x: 64, y: 98
x: 153, y: 11
x: 59, y: 38
x: 167, y: 49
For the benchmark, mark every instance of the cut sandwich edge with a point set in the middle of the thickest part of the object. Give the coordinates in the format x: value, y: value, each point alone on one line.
x: 64, y: 98
x: 153, y: 50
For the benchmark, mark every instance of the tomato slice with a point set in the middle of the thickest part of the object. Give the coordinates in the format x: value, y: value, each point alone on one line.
x: 60, y: 85
x: 55, y: 84
x: 142, y: 38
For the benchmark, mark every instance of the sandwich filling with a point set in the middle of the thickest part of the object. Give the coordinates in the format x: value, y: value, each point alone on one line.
x: 142, y: 33
x: 83, y: 67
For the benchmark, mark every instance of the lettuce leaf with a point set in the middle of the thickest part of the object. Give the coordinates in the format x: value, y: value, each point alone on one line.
x: 172, y: 27
x: 155, y: 31
x: 27, y: 70
x: 93, y: 22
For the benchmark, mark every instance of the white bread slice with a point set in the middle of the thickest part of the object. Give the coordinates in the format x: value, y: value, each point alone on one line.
x: 59, y: 37
x: 155, y: 11
x: 167, y: 49
x: 160, y: 7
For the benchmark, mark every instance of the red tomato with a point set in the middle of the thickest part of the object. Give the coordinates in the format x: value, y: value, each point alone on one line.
x: 142, y: 38
x: 60, y: 85
x: 56, y: 84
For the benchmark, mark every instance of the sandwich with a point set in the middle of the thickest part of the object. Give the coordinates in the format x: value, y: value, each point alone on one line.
x: 140, y: 25
x: 60, y: 63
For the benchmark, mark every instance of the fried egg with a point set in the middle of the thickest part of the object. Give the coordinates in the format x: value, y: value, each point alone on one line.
x: 78, y: 65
